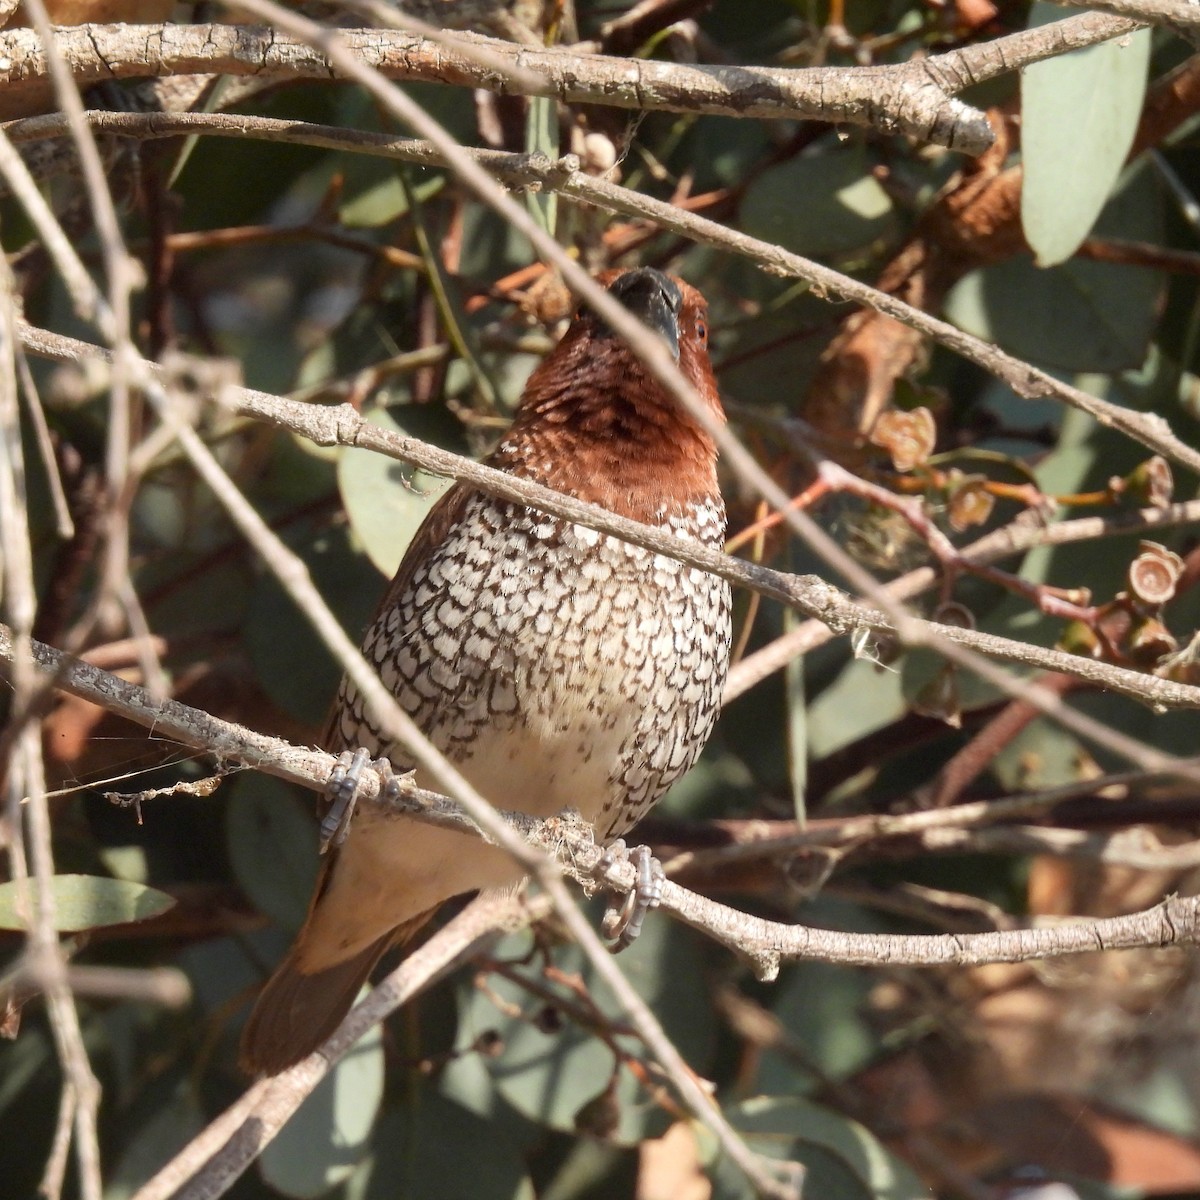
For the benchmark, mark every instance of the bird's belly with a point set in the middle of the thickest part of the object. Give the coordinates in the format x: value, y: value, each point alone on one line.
x: 546, y: 763
x: 555, y: 666
x: 393, y: 868
x: 556, y: 669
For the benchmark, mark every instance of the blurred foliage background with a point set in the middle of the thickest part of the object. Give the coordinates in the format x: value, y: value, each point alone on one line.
x: 333, y: 277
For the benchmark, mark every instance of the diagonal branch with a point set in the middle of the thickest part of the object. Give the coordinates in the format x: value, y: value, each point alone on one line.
x: 1181, y: 16
x: 217, y: 1156
x: 571, y: 843
x: 343, y: 425
x: 565, y: 177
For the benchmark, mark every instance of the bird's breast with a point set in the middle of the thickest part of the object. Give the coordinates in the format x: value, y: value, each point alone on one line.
x: 557, y: 666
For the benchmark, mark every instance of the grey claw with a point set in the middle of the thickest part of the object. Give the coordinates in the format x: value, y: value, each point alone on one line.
x: 342, y: 790
x: 624, y: 924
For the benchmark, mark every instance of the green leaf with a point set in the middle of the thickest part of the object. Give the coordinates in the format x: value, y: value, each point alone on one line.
x: 415, y: 1155
x: 82, y: 902
x: 329, y: 1134
x: 385, y: 500
x: 1079, y: 113
x: 797, y: 727
x: 1042, y: 756
x: 374, y: 195
x: 823, y: 1008
x: 821, y: 205
x: 548, y: 1067
x: 291, y: 662
x: 865, y: 696
x: 541, y: 137
x: 1083, y: 315
x: 843, y: 1160
x: 272, y: 847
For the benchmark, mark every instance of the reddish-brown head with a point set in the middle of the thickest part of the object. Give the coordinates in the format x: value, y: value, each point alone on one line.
x: 595, y: 423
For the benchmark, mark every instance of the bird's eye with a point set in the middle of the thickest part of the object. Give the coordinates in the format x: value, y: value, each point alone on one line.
x: 702, y: 331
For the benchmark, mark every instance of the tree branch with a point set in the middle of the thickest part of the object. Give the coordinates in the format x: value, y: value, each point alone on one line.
x: 1180, y: 16
x: 564, y: 176
x: 217, y: 1156
x: 343, y: 425
x: 571, y: 843
x: 1016, y: 537
x: 914, y: 99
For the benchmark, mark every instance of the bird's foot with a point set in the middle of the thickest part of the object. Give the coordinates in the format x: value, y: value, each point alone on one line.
x: 342, y: 792
x: 623, y: 921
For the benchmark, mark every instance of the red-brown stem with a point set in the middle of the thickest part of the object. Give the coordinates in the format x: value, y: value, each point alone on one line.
x: 1048, y: 600
x: 971, y: 761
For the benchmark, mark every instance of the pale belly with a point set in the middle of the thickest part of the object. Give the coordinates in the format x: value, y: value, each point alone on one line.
x: 394, y: 868
x: 588, y: 681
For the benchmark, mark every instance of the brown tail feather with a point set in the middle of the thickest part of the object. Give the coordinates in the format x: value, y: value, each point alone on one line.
x: 295, y: 1012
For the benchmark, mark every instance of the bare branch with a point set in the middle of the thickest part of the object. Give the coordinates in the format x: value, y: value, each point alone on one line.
x: 1015, y: 538
x: 564, y: 176
x: 571, y: 842
x: 31, y: 853
x: 209, y: 1164
x: 896, y: 99
x: 915, y: 99
x: 342, y: 425
x: 1178, y: 15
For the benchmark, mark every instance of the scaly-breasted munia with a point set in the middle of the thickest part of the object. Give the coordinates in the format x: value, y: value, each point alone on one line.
x: 555, y: 666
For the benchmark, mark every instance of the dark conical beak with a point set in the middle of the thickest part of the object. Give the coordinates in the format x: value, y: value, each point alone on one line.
x: 653, y: 298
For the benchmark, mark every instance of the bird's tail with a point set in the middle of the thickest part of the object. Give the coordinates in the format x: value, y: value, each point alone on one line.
x: 296, y: 1011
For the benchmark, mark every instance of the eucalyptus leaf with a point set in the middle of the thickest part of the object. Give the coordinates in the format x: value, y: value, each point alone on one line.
x: 292, y: 663
x: 541, y: 137
x: 823, y: 1008
x: 329, y: 1134
x: 1042, y: 756
x: 1082, y: 315
x: 374, y: 195
x: 155, y: 1142
x: 865, y: 696
x: 385, y: 500
x: 820, y: 204
x: 797, y: 727
x: 82, y: 902
x: 841, y: 1157
x: 273, y: 847
x: 1079, y: 114
x: 409, y: 1157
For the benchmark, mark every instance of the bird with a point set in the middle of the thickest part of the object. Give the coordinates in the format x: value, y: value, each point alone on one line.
x: 556, y: 666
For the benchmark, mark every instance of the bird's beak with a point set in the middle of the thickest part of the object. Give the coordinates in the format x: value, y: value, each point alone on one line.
x: 654, y: 299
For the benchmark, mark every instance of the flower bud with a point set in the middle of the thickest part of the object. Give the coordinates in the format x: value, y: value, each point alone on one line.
x: 1149, y: 484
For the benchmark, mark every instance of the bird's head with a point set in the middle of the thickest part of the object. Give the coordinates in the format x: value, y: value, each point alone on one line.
x: 591, y: 410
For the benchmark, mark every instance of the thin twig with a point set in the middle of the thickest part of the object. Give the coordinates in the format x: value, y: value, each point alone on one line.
x: 123, y: 276
x: 570, y: 840
x: 563, y: 175
x: 1180, y: 15
x: 1025, y: 533
x: 31, y: 848
x: 208, y: 1165
x: 342, y: 425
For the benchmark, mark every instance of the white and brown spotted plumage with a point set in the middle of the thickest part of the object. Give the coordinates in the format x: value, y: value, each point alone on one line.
x: 555, y: 666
